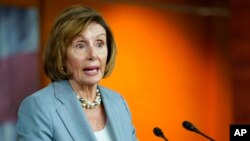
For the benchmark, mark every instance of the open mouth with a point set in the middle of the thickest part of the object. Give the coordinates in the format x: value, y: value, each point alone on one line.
x: 92, y: 70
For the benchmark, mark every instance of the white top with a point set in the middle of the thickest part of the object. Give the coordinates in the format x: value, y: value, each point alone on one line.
x: 103, y: 135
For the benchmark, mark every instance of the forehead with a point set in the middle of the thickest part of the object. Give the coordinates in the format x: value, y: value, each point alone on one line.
x: 93, y: 29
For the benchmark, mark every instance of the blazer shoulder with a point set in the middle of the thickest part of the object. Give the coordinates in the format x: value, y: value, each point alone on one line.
x: 44, y: 91
x: 114, y: 97
x: 109, y: 93
x: 42, y: 96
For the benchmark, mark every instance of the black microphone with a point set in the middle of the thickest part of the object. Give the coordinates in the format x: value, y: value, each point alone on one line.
x: 189, y: 126
x: 157, y: 131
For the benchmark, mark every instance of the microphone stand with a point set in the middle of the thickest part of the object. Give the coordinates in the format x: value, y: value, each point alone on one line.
x: 204, y: 135
x: 164, y: 138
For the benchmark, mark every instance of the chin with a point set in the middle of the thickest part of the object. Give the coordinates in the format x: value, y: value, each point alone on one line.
x: 91, y: 81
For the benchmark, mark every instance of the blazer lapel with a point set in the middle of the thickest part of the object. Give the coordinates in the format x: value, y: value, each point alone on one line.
x: 71, y: 113
x: 112, y: 112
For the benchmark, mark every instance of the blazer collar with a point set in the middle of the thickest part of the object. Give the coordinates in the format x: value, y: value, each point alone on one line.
x: 112, y: 115
x: 75, y: 119
x: 71, y: 113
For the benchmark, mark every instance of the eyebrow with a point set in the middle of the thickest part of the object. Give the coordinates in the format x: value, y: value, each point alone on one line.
x: 101, y: 34
x: 82, y: 38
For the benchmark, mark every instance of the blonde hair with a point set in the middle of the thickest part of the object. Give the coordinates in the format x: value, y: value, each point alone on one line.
x: 69, y: 23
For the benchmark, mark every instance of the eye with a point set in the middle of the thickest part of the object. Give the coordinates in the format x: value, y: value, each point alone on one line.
x: 100, y: 43
x: 80, y: 45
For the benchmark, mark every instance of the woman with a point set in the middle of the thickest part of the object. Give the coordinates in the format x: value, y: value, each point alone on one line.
x: 80, y: 52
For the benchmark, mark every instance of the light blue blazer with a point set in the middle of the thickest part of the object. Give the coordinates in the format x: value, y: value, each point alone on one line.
x: 55, y: 114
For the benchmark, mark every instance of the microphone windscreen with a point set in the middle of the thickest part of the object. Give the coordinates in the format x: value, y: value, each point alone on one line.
x: 189, y: 126
x: 157, y: 131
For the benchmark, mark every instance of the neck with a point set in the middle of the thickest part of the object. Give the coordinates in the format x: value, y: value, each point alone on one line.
x: 84, y: 91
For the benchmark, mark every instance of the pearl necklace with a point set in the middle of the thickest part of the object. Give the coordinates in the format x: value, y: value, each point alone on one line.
x: 86, y: 104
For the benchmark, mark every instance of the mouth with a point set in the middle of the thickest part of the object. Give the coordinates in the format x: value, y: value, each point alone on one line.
x: 91, y: 70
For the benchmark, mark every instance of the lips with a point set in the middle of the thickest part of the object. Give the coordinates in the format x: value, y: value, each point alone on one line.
x: 91, y: 70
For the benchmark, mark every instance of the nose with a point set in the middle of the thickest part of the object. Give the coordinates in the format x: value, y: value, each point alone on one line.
x: 92, y: 54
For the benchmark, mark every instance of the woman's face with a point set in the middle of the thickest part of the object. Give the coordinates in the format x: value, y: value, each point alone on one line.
x: 87, y: 55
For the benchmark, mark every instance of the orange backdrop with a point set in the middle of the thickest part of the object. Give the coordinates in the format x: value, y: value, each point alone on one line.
x: 168, y: 68
x: 167, y: 76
